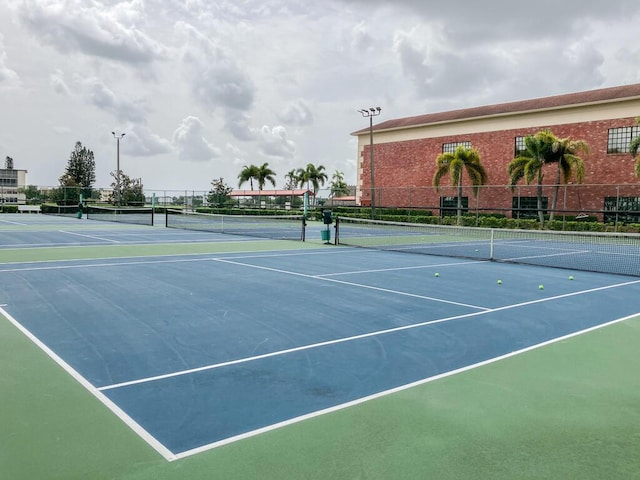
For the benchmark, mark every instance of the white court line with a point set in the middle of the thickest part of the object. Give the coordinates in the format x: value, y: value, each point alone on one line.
x: 355, y: 337
x: 573, y: 252
x: 352, y: 284
x: 89, y: 236
x: 394, y: 269
x: 146, y: 436
x: 226, y: 441
x: 173, y: 258
x: 15, y: 223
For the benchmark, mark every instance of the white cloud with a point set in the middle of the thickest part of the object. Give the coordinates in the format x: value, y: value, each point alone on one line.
x: 142, y: 142
x: 275, y: 143
x: 190, y: 143
x: 216, y: 79
x: 8, y: 77
x: 161, y: 70
x: 361, y: 38
x: 91, y: 28
x: 297, y: 113
x: 58, y: 83
x: 102, y: 97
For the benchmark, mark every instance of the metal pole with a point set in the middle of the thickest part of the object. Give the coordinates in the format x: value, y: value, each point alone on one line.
x: 118, y: 171
x: 373, y: 187
x: 371, y: 112
x: 117, y: 192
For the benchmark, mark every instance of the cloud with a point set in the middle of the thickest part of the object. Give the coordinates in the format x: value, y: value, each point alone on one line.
x: 90, y: 28
x: 274, y: 142
x: 478, y: 74
x: 190, y: 143
x: 141, y: 142
x: 101, y: 96
x: 8, y: 77
x: 217, y: 81
x: 221, y: 70
x: 361, y: 39
x: 57, y: 82
x: 297, y: 113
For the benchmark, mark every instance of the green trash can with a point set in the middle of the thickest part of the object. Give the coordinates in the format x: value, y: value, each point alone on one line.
x: 325, y: 235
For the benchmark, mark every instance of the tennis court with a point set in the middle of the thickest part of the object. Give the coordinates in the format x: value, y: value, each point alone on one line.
x: 202, y: 344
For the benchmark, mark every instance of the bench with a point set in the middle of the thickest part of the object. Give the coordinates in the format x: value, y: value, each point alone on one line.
x: 28, y: 208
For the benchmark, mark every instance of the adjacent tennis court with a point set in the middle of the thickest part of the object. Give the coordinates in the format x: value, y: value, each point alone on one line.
x: 200, y: 342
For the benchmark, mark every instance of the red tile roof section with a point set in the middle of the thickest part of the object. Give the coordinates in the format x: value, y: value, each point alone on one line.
x: 593, y: 96
x: 270, y: 193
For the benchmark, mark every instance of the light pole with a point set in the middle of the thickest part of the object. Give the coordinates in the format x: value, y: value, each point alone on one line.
x: 371, y: 112
x: 118, y: 137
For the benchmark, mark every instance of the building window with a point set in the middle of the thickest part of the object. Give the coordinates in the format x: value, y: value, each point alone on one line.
x: 527, y: 207
x: 620, y: 138
x: 451, y: 147
x: 449, y: 206
x: 518, y: 147
x: 622, y: 209
x: 8, y: 178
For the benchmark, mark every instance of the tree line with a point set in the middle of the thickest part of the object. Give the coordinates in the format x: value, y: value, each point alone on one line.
x: 311, y: 177
x: 79, y: 178
x: 78, y: 181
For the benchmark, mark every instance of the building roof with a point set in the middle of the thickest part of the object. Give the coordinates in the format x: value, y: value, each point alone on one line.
x: 603, y: 95
x: 270, y: 193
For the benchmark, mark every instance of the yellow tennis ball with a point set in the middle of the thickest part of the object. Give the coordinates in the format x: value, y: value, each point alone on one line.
x: 541, y: 287
x: 499, y: 282
x: 436, y: 274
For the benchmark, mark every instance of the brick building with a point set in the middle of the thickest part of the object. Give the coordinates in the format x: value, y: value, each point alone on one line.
x: 405, y: 150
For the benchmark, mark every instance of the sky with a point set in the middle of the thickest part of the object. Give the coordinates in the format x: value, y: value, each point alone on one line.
x: 201, y: 88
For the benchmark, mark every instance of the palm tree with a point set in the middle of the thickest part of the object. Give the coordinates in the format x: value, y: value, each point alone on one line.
x: 338, y: 186
x: 292, y: 180
x: 453, y: 163
x: 528, y: 165
x: 564, y: 153
x: 263, y: 174
x: 634, y: 147
x: 248, y: 174
x: 311, y: 175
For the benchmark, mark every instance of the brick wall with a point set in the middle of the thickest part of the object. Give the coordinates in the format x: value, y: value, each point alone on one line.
x: 404, y: 170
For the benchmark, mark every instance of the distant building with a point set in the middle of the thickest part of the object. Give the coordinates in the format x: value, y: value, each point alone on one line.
x: 11, y: 182
x: 405, y: 150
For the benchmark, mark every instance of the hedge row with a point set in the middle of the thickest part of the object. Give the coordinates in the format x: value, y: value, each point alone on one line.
x: 501, y: 221
x: 246, y: 211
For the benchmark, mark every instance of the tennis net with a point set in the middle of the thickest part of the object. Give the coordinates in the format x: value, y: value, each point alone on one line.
x: 137, y: 216
x: 61, y: 210
x: 276, y: 227
x: 597, y: 252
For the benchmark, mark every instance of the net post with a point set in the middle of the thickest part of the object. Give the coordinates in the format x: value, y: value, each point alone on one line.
x: 491, y: 245
x: 166, y: 218
x: 153, y: 208
x: 337, y: 233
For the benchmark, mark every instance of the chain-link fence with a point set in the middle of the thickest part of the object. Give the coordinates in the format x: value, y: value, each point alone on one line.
x: 608, y: 203
x: 600, y: 202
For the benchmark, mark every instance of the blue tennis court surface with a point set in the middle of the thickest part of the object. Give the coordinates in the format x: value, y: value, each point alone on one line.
x: 199, y: 350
